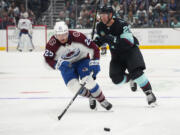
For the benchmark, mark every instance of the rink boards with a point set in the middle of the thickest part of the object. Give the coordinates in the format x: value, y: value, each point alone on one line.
x: 149, y: 38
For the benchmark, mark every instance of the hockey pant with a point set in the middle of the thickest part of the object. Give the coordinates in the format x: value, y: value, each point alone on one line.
x: 80, y: 70
x: 132, y: 61
x: 25, y: 42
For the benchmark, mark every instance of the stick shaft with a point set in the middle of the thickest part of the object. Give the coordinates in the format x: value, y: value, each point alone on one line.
x: 94, y: 21
x: 72, y: 100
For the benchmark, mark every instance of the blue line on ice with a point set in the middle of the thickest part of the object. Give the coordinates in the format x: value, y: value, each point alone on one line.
x: 123, y: 97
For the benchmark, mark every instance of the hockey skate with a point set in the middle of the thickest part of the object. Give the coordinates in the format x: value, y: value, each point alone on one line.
x: 92, y: 103
x: 151, y: 99
x: 106, y: 104
x: 133, y: 85
x: 30, y: 50
x: 19, y: 50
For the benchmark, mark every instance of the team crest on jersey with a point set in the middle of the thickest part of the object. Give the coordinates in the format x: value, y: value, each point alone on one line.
x: 76, y: 34
x: 70, y: 54
x: 102, y: 33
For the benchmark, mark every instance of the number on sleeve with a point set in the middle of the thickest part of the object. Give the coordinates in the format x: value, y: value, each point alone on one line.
x: 48, y: 53
x: 126, y: 29
x: 87, y: 41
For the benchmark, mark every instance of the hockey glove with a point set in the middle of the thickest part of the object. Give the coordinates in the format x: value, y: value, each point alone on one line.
x: 97, y: 41
x: 100, y: 41
x: 110, y: 39
x: 94, y: 66
x: 104, y: 49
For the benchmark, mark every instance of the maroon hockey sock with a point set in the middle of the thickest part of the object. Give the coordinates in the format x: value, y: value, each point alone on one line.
x: 147, y: 87
x: 100, y: 97
x: 85, y: 93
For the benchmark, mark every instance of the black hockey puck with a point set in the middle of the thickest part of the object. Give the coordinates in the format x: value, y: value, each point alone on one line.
x: 107, y: 129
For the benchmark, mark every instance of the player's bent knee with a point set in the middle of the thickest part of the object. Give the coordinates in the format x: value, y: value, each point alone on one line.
x: 136, y: 74
x: 73, y: 85
x: 117, y: 79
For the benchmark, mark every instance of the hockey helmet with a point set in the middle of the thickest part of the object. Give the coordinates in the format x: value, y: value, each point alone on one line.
x: 106, y: 9
x: 60, y: 28
x: 25, y: 15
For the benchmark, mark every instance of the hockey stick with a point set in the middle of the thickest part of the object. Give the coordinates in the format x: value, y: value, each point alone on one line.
x: 75, y: 96
x: 95, y: 19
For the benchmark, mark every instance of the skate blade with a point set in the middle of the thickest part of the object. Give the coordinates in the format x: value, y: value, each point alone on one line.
x: 153, y: 105
x: 99, y: 108
x: 95, y: 109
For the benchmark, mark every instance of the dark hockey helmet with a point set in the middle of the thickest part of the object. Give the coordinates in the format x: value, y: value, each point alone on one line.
x: 106, y: 9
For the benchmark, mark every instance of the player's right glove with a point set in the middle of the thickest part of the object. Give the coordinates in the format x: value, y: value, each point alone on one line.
x: 94, y: 66
x: 110, y: 39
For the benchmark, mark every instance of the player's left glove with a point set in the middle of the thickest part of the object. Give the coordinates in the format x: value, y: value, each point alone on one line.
x: 94, y: 66
x: 104, y: 49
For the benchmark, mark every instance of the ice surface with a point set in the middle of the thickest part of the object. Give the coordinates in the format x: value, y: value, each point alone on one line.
x: 31, y: 97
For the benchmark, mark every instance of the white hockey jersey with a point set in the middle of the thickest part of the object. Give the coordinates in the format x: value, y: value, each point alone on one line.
x: 77, y: 48
x: 25, y: 24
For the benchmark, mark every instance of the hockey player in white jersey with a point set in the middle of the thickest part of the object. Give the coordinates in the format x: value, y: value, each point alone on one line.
x: 76, y: 57
x: 25, y: 34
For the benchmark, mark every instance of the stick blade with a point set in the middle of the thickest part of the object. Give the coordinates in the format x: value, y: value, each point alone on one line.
x: 60, y: 116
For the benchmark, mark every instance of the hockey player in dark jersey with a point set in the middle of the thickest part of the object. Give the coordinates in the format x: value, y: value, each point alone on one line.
x: 69, y: 51
x: 125, y: 53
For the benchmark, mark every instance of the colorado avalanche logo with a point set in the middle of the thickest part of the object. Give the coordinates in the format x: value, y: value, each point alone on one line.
x: 76, y: 34
x: 71, y: 54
